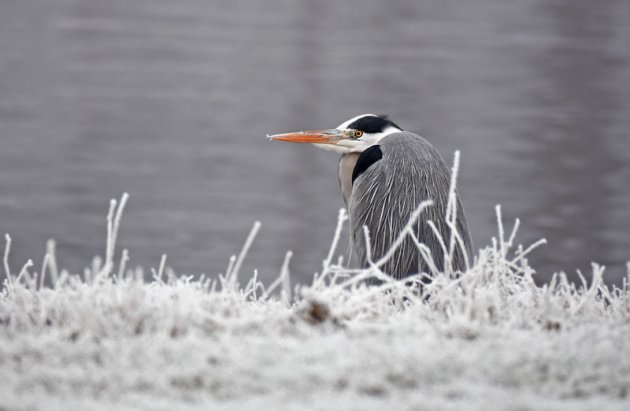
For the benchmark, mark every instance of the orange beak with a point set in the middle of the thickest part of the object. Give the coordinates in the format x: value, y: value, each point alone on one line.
x: 313, y: 136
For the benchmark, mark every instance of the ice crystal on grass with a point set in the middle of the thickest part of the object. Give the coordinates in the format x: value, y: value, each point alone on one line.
x: 485, y: 339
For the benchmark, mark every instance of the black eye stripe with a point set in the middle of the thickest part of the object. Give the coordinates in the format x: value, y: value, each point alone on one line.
x: 371, y: 124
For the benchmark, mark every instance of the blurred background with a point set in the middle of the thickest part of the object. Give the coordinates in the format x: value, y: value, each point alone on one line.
x: 171, y: 100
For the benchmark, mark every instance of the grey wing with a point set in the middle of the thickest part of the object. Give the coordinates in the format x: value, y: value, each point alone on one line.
x: 386, y: 194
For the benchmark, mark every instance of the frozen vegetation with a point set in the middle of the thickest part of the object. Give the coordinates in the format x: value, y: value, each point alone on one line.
x: 488, y: 339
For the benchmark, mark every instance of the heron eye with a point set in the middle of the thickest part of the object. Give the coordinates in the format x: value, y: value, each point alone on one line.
x: 358, y: 133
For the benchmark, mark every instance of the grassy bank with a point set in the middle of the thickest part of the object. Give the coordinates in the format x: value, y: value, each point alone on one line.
x: 488, y: 339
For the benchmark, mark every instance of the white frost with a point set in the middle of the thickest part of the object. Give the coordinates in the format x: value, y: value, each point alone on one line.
x: 488, y: 339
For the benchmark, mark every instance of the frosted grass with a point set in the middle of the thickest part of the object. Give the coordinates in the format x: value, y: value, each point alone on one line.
x: 484, y: 339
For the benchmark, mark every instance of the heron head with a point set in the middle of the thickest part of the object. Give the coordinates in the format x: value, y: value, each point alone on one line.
x: 351, y: 136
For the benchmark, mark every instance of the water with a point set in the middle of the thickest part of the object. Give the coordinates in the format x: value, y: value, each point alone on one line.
x: 171, y: 100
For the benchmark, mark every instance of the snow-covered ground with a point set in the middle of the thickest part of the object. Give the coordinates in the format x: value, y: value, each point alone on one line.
x: 489, y: 339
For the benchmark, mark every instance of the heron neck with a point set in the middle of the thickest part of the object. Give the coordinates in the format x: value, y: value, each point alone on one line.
x: 347, y: 162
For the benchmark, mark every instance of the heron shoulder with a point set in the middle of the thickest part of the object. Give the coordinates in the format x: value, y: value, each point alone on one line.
x: 407, y: 164
x: 406, y: 142
x: 366, y: 159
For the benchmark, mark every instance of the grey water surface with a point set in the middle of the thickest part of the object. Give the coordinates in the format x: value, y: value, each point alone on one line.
x: 171, y: 100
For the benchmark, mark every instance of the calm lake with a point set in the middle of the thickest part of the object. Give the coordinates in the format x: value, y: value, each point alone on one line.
x: 171, y: 100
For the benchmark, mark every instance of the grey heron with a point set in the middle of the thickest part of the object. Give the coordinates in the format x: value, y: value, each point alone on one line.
x: 385, y: 173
